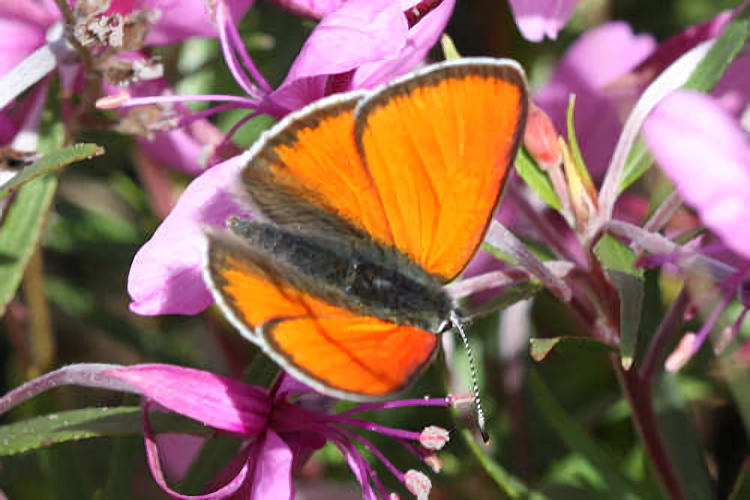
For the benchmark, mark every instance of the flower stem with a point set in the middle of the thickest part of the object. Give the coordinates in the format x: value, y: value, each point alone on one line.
x: 510, y: 485
x: 640, y: 396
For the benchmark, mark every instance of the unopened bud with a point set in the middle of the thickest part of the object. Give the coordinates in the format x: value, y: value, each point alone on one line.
x: 541, y: 138
x: 434, y: 437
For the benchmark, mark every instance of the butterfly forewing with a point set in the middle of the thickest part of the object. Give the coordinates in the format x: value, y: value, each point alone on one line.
x: 438, y: 147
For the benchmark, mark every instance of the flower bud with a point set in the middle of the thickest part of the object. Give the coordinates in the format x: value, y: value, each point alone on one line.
x: 541, y: 138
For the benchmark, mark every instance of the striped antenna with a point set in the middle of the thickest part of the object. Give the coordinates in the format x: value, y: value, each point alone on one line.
x: 456, y: 320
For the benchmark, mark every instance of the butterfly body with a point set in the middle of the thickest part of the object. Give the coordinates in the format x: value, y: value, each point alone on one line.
x: 355, y: 273
x: 366, y: 204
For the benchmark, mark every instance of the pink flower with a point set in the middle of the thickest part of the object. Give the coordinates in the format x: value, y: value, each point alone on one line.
x: 607, y: 69
x: 539, y: 18
x: 310, y: 8
x: 703, y: 149
x: 278, y: 435
x: 29, y: 24
x: 590, y: 66
x: 359, y: 45
x: 374, y: 44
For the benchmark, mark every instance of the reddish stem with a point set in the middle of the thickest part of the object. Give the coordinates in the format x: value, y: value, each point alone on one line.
x: 639, y: 393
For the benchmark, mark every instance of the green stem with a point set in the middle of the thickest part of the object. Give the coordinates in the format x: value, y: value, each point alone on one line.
x: 508, y: 483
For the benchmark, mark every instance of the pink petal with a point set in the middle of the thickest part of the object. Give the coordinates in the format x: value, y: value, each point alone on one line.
x: 182, y: 19
x: 360, y: 31
x: 370, y: 38
x: 41, y: 13
x: 599, y: 58
x: 310, y: 8
x: 421, y: 38
x: 704, y: 151
x: 233, y: 486
x: 19, y: 39
x: 733, y: 90
x: 179, y: 451
x: 272, y: 477
x: 539, y: 18
x: 217, y: 401
x: 166, y: 276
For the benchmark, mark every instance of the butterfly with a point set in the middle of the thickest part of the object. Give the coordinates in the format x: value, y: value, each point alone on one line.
x: 369, y: 202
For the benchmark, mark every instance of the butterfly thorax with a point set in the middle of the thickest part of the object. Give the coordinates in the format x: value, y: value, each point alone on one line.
x: 355, y: 273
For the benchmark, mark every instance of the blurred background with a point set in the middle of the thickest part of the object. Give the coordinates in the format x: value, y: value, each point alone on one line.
x: 73, y: 307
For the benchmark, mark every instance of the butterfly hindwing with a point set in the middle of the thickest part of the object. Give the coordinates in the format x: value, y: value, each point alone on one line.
x: 335, y: 350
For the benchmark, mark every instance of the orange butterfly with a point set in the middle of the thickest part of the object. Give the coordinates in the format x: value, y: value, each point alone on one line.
x: 370, y: 202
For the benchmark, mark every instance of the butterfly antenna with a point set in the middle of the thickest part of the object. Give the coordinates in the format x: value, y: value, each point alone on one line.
x: 474, y: 378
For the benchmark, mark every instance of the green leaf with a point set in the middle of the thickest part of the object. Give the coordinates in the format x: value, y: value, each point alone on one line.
x: 20, y: 233
x: 710, y: 70
x: 541, y: 347
x: 630, y: 289
x: 510, y: 485
x: 536, y: 178
x: 638, y: 162
x: 619, y: 261
x: 575, y: 437
x: 704, y: 78
x: 64, y: 474
x: 49, y: 163
x: 509, y: 296
x: 86, y: 423
x: 580, y: 166
x: 741, y: 488
x: 615, y: 256
x: 122, y: 468
x: 681, y: 440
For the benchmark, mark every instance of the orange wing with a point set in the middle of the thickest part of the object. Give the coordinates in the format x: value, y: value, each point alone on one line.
x: 438, y: 147
x: 307, y: 167
x: 332, y: 349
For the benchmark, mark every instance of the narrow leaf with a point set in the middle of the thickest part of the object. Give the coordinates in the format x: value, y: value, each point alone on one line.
x: 703, y: 78
x: 681, y: 439
x: 741, y: 488
x: 710, y: 70
x: 541, y: 347
x: 580, y: 166
x: 615, y: 256
x: 630, y: 289
x: 536, y: 179
x: 575, y: 437
x: 510, y: 485
x: 49, y: 163
x: 20, y: 232
x: 638, y: 162
x: 87, y: 423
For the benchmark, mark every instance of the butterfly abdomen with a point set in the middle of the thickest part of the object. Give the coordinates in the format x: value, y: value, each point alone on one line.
x: 356, y: 274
